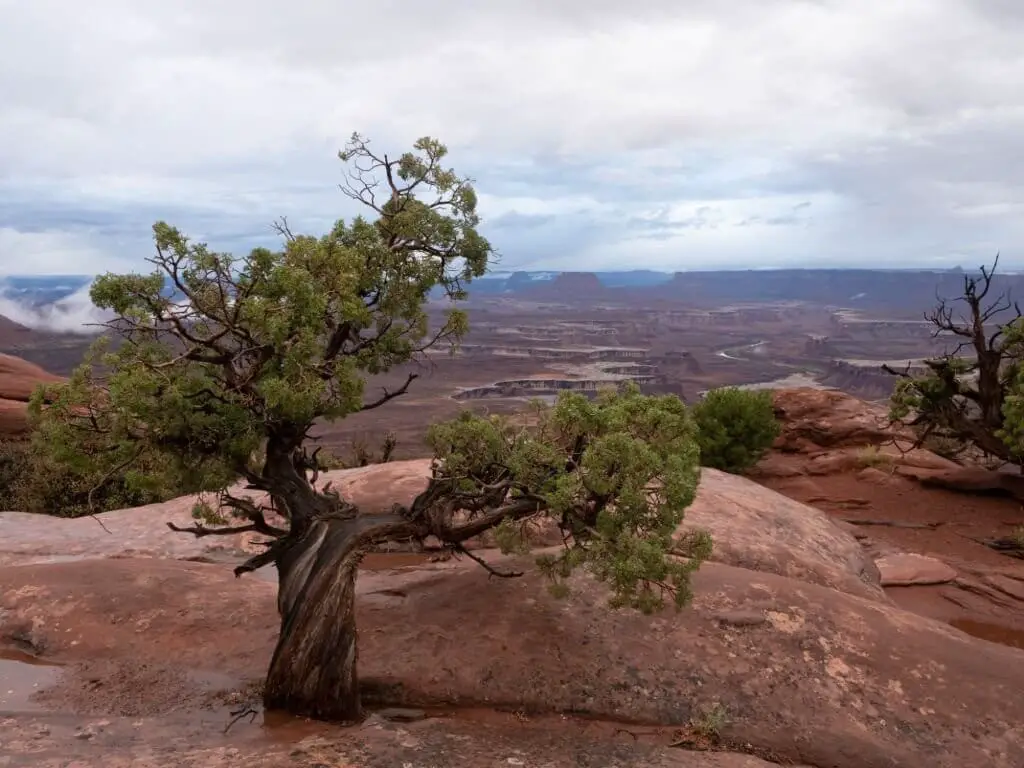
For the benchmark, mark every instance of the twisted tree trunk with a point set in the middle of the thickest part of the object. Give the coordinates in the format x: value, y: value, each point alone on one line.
x: 313, y: 672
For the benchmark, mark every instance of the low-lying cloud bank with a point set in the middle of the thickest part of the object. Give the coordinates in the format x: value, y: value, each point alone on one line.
x: 74, y: 313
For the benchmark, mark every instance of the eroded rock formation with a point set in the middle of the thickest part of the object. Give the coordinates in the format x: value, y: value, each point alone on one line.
x: 863, y: 380
x: 570, y: 287
x: 18, y: 379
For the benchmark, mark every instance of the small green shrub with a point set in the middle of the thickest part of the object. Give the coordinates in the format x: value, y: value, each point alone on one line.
x: 737, y: 427
x: 31, y: 482
x: 710, y: 723
x: 14, y: 457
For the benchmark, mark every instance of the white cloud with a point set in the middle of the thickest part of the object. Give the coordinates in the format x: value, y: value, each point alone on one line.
x: 901, y: 123
x: 74, y: 313
x: 54, y: 252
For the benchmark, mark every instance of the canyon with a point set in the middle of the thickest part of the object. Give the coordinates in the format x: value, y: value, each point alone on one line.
x: 122, y: 643
x: 571, y: 331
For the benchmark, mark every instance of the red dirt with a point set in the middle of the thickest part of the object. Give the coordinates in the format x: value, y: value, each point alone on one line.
x: 856, y: 495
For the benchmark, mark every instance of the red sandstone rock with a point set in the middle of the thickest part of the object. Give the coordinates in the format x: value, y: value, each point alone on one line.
x: 905, y: 569
x: 968, y: 479
x: 752, y: 527
x: 800, y: 671
x: 827, y: 419
x: 755, y: 528
x: 826, y: 432
x: 829, y: 433
x: 376, y: 487
x: 826, y: 679
x: 13, y: 418
x: 19, y: 378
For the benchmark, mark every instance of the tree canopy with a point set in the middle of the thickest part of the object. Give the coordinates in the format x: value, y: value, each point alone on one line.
x: 215, y: 368
x: 220, y: 354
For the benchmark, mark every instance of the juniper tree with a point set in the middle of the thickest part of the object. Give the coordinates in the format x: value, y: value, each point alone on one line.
x: 223, y: 365
x: 971, y: 395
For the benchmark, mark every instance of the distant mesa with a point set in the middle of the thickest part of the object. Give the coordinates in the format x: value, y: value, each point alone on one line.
x: 861, y: 378
x: 570, y: 286
x: 911, y: 290
x: 519, y: 281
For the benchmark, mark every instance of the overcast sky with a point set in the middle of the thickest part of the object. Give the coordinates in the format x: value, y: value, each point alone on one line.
x: 602, y: 134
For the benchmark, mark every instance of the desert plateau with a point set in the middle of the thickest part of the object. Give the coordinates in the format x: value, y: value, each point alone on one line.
x: 851, y: 615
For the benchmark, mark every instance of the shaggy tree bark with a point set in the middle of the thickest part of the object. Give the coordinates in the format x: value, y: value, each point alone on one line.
x: 313, y: 671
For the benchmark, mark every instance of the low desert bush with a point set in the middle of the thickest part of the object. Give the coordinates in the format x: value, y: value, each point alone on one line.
x: 737, y: 427
x: 13, y: 458
x: 710, y: 723
x: 872, y: 456
x: 31, y: 483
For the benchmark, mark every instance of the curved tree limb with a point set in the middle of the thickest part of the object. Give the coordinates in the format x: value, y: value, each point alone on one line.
x: 491, y: 570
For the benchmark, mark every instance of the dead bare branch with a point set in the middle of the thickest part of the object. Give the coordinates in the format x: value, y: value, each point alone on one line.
x: 964, y: 398
x: 388, y: 396
x: 491, y: 570
x: 240, y: 714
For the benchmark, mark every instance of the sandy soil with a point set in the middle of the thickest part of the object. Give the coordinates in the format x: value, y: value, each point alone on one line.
x: 879, y: 496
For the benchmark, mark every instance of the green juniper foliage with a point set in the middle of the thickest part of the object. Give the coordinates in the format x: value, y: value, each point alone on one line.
x: 269, y: 342
x: 218, y: 366
x: 737, y: 427
x: 616, y: 473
